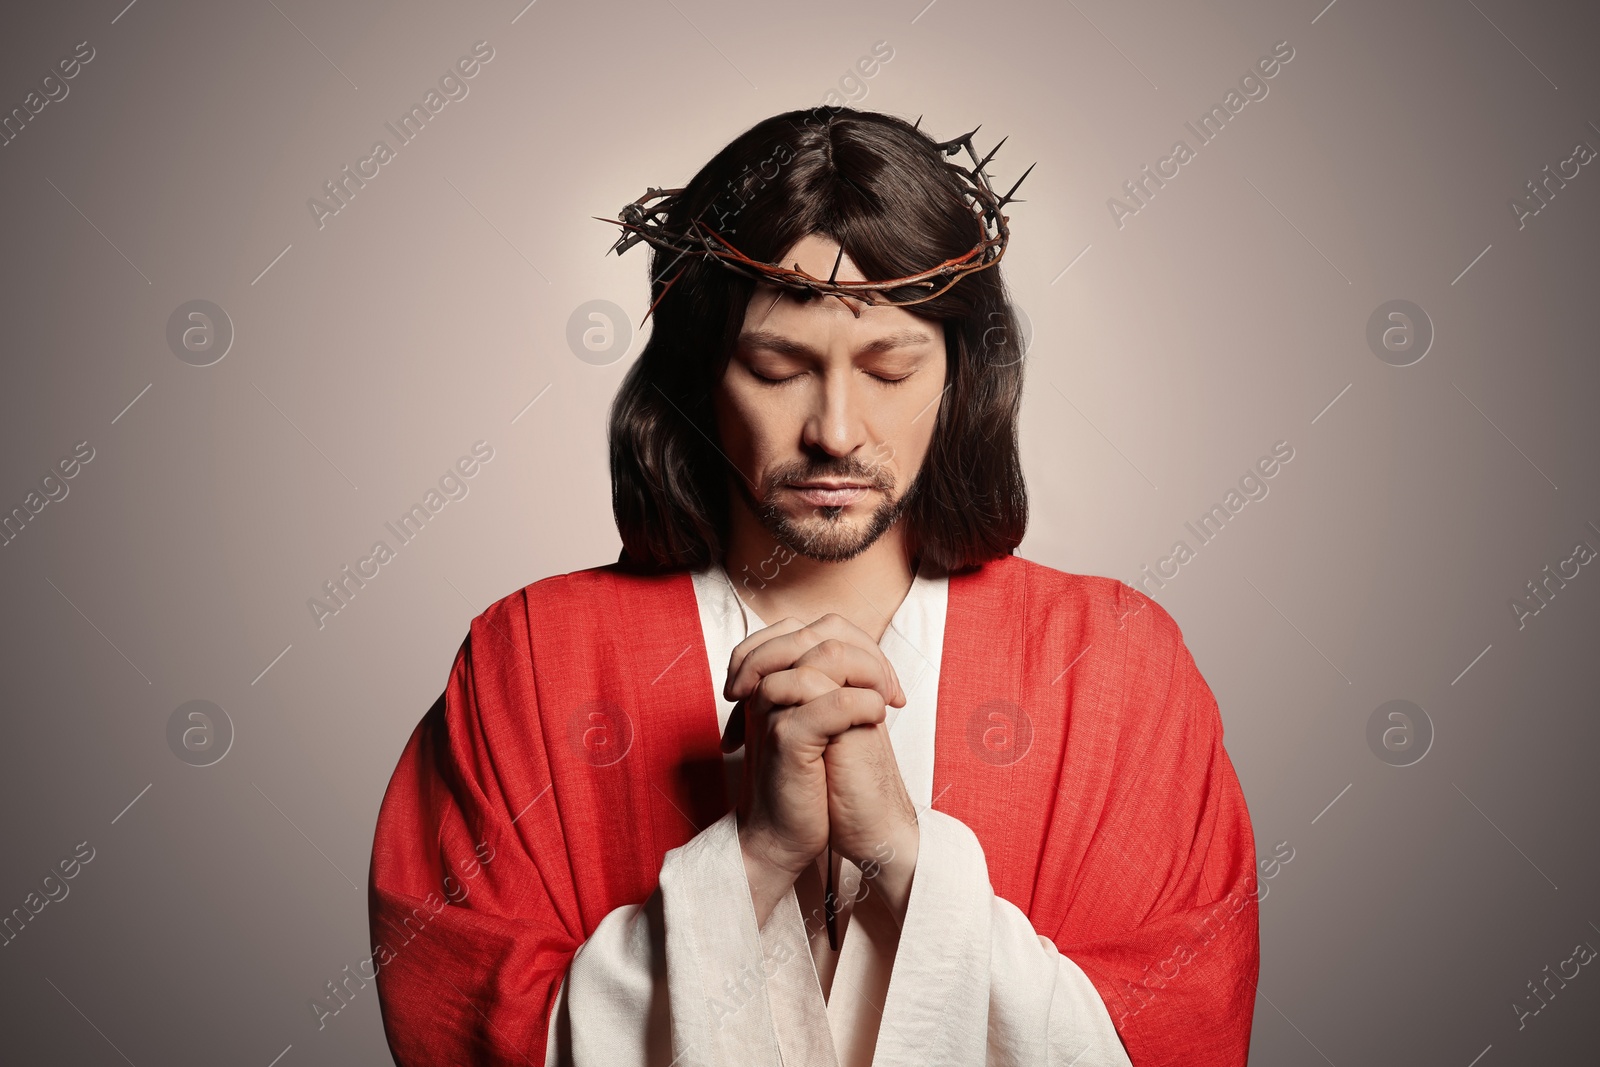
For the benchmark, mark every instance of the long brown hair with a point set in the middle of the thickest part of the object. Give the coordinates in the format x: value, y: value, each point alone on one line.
x: 880, y: 188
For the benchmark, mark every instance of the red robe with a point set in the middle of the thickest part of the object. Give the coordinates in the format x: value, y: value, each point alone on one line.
x: 576, y: 743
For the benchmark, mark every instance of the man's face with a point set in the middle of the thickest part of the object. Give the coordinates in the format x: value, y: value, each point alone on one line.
x: 826, y: 415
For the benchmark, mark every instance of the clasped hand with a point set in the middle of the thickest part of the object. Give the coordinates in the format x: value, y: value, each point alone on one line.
x: 819, y: 770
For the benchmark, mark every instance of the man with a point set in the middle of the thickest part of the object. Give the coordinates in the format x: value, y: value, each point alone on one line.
x: 947, y: 807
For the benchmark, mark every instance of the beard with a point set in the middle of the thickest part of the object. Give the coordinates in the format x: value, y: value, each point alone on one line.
x: 826, y: 534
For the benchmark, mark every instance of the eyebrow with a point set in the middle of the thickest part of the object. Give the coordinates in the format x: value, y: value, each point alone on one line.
x: 787, y: 346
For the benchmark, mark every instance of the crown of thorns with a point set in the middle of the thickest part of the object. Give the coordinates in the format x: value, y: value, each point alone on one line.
x: 645, y: 220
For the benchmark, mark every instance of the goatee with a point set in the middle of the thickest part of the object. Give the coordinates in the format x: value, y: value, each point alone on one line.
x: 831, y: 540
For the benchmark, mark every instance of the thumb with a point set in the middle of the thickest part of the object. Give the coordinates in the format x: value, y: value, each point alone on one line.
x: 733, y: 733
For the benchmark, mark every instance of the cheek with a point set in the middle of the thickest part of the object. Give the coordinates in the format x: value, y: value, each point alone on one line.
x: 917, y: 453
x: 747, y: 425
x: 906, y: 443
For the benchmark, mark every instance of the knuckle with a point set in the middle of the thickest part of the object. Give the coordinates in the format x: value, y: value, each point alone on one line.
x: 779, y: 730
x: 811, y: 677
x: 764, y: 689
x: 836, y: 703
x: 868, y: 702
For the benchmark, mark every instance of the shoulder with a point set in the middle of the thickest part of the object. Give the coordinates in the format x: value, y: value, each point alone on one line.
x: 1097, y: 606
x: 555, y: 589
x: 1137, y: 640
x: 583, y: 599
x: 1145, y: 668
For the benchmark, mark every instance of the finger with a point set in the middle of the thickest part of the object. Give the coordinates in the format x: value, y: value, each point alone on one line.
x: 755, y: 640
x: 777, y: 653
x: 787, y: 641
x: 752, y: 663
x: 790, y: 688
x: 851, y: 665
x: 845, y: 662
x: 835, y: 712
x: 837, y: 626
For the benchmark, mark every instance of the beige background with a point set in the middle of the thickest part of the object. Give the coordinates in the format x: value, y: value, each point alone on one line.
x: 1177, y: 349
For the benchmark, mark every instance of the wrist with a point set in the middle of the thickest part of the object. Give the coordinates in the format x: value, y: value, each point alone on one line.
x: 764, y: 851
x: 769, y: 869
x: 892, y: 867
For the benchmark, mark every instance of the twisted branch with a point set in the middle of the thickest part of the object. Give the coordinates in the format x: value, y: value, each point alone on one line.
x: 645, y: 220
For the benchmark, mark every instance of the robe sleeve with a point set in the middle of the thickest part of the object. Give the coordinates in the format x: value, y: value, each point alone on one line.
x: 688, y: 980
x: 473, y: 914
x: 973, y: 983
x: 476, y: 925
x: 1163, y: 914
x: 612, y: 1010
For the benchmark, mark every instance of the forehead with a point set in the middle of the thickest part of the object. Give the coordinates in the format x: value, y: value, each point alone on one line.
x: 773, y: 313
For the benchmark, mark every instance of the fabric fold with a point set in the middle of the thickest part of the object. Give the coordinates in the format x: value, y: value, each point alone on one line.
x: 1080, y: 802
x: 937, y: 1007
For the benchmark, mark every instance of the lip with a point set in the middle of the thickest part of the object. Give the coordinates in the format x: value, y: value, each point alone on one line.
x: 829, y: 494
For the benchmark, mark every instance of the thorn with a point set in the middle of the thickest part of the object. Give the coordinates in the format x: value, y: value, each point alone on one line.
x: 951, y: 146
x: 658, y: 299
x: 992, y: 151
x: 832, y: 274
x: 770, y: 306
x: 1007, y: 198
x: 914, y: 125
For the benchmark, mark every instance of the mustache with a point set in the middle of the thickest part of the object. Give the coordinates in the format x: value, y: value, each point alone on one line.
x: 807, y: 470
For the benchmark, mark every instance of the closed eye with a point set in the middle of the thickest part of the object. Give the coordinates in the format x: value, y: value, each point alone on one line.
x: 774, y: 381
x: 769, y: 380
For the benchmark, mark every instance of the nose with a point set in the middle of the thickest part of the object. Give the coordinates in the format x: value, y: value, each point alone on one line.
x: 837, y: 423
